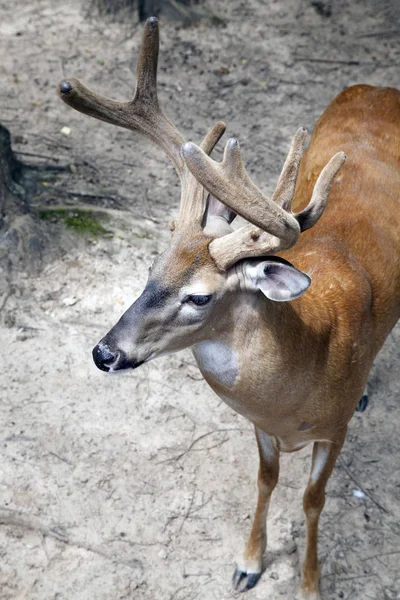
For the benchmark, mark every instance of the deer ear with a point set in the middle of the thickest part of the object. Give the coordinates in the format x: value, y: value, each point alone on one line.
x: 217, y: 218
x: 278, y: 279
x: 215, y: 208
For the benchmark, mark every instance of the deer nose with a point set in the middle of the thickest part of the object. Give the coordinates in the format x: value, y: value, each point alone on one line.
x: 106, y: 359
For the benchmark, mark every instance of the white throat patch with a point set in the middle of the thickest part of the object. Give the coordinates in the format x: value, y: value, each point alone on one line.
x: 218, y: 361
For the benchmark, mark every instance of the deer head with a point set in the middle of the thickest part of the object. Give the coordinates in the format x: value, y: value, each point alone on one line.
x: 191, y: 284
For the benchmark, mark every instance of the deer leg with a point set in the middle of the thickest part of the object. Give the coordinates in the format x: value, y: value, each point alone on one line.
x: 323, y: 461
x: 249, y: 568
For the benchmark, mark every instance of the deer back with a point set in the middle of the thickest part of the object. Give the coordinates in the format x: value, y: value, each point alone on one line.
x: 357, y: 240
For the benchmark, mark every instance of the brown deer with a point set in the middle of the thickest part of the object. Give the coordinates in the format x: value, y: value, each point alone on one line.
x: 291, y: 357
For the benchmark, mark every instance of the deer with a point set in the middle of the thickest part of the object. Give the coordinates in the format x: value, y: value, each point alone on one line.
x: 286, y: 313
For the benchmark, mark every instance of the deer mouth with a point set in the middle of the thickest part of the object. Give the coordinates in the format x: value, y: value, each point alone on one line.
x: 124, y: 364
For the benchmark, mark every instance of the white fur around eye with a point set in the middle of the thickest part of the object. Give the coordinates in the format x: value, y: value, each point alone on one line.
x: 189, y: 308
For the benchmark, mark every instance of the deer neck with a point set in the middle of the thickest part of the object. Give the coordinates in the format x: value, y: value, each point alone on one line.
x: 250, y: 345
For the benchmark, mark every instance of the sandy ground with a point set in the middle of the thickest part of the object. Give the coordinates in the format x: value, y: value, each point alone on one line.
x: 142, y: 485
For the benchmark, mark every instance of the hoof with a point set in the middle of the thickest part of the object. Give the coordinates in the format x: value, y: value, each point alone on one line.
x: 362, y: 405
x: 243, y: 581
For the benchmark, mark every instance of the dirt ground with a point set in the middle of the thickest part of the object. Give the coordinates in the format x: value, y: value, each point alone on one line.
x: 143, y: 485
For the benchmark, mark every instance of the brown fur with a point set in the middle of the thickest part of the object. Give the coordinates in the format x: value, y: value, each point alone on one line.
x: 189, y: 254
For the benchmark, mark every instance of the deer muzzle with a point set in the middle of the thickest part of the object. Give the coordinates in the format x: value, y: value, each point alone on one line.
x: 109, y: 360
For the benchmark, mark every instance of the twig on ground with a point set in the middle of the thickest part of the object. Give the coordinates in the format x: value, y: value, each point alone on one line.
x: 91, y: 208
x: 194, y: 442
x: 289, y: 485
x: 329, y: 61
x: 53, y: 142
x: 148, y: 205
x: 349, y: 63
x: 166, y: 385
x: 131, y: 543
x: 62, y: 458
x: 173, y: 596
x: 334, y: 575
x: 187, y: 513
x: 349, y: 473
x: 76, y: 194
x: 200, y: 378
x: 28, y: 327
x: 18, y: 519
x: 84, y: 161
x: 6, y: 296
x: 197, y: 509
x: 47, y: 157
x: 394, y: 552
x: 388, y: 33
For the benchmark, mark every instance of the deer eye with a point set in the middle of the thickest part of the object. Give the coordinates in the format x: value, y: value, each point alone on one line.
x: 199, y: 299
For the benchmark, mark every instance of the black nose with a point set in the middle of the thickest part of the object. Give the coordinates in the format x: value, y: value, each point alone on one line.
x: 104, y: 358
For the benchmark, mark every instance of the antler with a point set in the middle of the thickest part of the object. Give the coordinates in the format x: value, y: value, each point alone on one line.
x: 144, y: 115
x: 273, y: 227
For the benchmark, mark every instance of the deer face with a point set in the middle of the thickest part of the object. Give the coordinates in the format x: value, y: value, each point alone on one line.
x: 175, y: 310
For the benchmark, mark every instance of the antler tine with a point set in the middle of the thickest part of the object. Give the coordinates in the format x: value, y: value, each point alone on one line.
x: 213, y: 136
x: 143, y: 114
x: 146, y: 70
x: 192, y: 203
x: 310, y: 215
x: 229, y: 182
x: 286, y: 185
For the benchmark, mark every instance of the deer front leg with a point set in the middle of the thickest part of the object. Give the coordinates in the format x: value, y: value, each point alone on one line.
x: 249, y: 568
x: 323, y: 461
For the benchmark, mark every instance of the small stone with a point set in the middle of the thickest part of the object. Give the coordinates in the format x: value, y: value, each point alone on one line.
x: 274, y: 575
x: 21, y: 336
x: 290, y: 548
x: 65, y: 130
x: 69, y: 301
